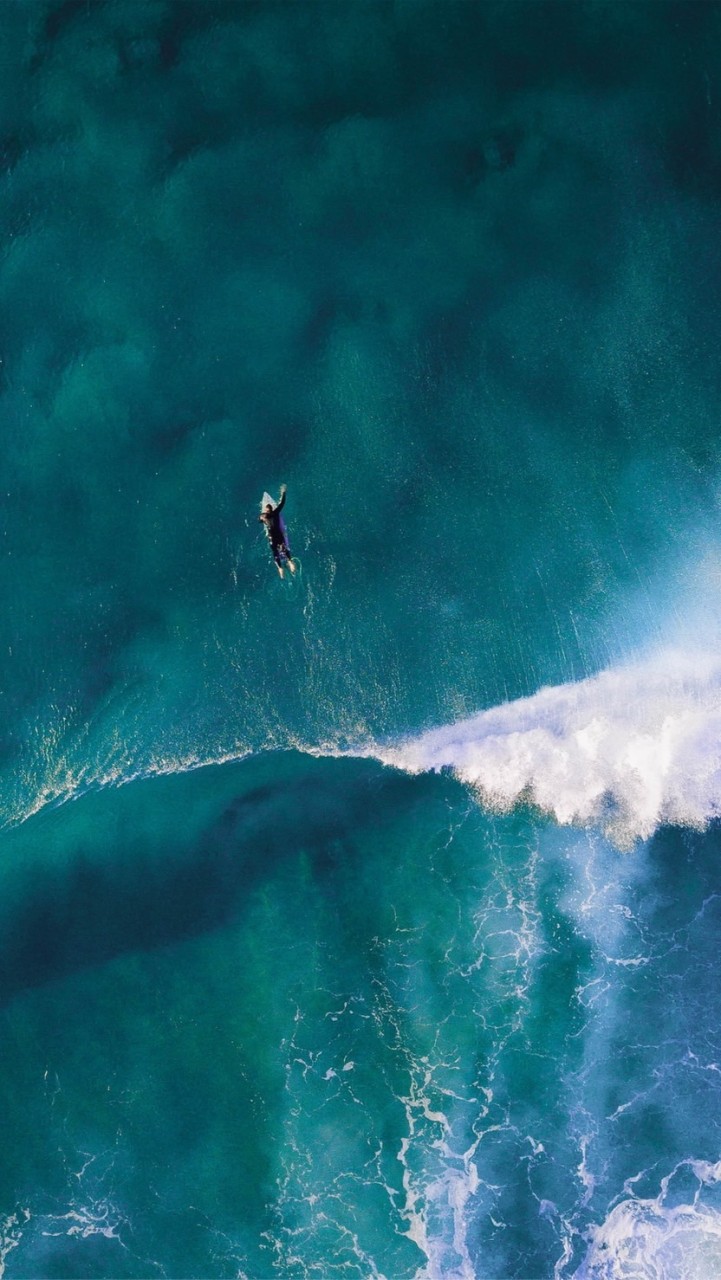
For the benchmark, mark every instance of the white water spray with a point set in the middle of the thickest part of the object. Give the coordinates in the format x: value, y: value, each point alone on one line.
x: 627, y: 750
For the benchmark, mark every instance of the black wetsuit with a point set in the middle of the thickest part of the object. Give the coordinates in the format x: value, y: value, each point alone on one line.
x: 276, y: 532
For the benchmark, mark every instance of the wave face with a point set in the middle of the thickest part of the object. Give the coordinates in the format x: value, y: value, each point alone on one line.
x: 449, y: 270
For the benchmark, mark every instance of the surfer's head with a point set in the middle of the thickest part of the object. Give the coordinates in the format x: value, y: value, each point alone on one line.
x: 268, y: 510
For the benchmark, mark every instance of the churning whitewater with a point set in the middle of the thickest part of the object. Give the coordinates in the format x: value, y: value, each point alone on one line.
x: 626, y: 751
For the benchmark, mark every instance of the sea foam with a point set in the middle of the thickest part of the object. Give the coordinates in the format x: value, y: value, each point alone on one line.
x: 627, y: 750
x: 647, y: 1240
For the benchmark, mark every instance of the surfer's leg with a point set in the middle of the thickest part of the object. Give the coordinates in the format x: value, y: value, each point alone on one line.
x: 281, y: 551
x: 278, y: 559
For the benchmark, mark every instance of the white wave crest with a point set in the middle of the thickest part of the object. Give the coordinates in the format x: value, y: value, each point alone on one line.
x: 627, y: 750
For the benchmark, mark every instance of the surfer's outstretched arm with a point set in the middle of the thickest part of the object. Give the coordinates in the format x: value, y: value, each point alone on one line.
x: 283, y: 491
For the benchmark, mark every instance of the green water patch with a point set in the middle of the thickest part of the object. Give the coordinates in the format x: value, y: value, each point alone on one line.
x: 381, y: 256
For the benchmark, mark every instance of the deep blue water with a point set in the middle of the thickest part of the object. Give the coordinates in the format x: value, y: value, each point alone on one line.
x: 365, y: 923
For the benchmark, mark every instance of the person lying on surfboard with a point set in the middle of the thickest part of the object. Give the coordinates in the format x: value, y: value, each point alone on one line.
x: 277, y: 533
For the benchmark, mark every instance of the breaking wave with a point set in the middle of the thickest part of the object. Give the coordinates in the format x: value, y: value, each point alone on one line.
x: 628, y: 750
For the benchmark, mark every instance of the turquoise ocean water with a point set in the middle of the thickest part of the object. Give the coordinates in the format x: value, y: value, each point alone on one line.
x: 364, y: 924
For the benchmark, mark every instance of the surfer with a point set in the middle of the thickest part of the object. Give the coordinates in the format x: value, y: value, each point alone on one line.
x: 276, y: 532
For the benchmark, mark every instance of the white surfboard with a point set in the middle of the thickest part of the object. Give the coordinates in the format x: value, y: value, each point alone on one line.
x: 267, y: 501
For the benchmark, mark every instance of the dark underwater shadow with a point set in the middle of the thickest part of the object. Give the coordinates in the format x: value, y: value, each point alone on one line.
x: 163, y: 860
